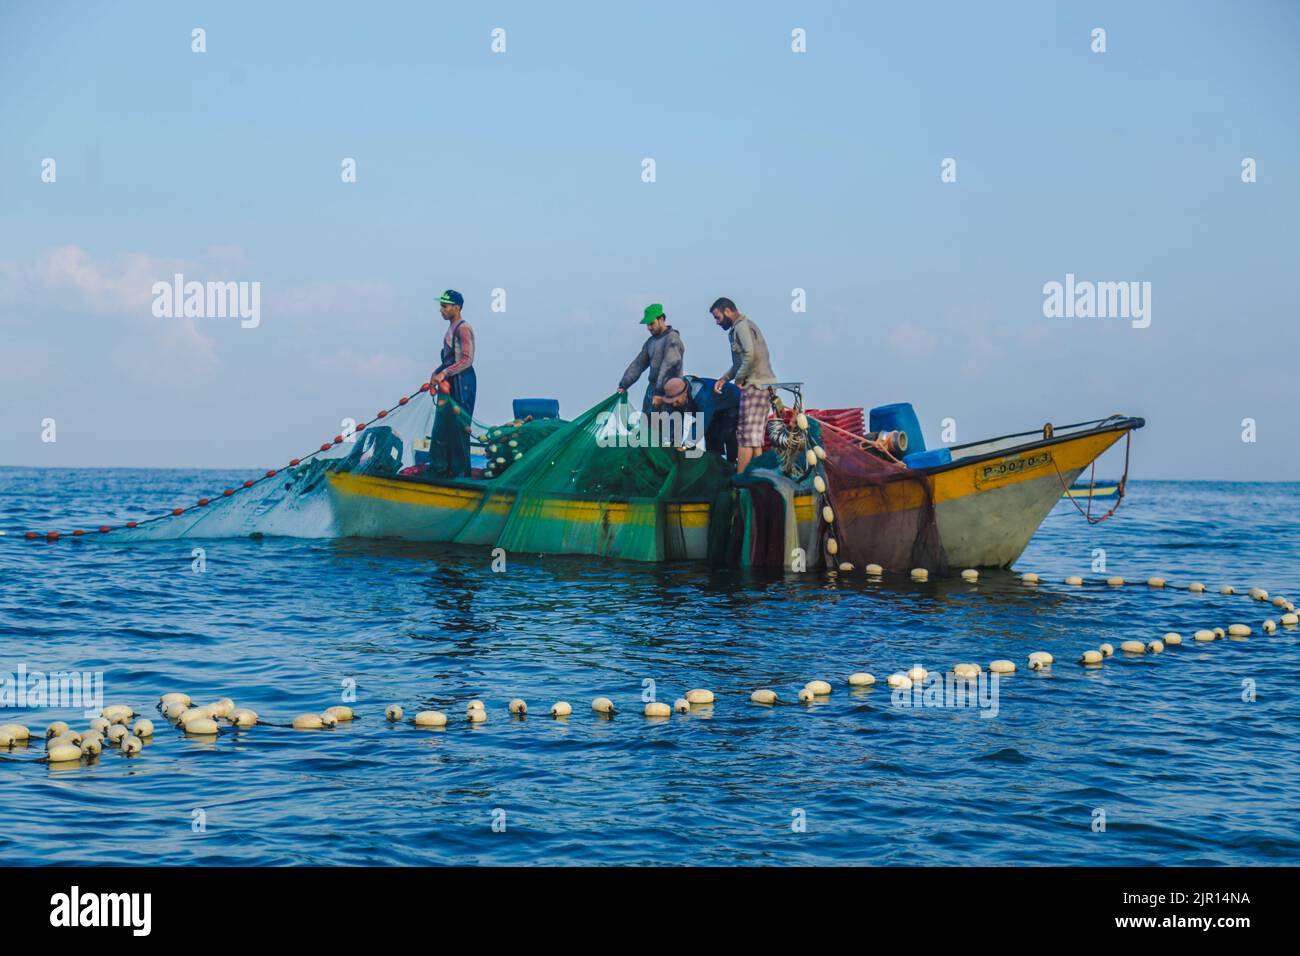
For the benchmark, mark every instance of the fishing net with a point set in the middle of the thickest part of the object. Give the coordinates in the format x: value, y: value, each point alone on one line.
x: 602, y: 484
x: 294, y: 501
x: 884, y: 512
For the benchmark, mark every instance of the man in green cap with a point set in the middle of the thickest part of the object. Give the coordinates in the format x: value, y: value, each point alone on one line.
x: 662, y: 354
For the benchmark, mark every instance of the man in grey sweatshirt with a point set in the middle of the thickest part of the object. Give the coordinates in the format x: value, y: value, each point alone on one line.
x: 751, y: 367
x: 662, y: 354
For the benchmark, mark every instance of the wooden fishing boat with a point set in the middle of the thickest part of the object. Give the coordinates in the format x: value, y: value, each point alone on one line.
x: 989, y: 499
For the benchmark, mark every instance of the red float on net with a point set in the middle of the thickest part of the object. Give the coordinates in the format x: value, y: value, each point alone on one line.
x: 249, y: 483
x: 382, y: 414
x: 178, y: 511
x: 271, y: 473
x: 402, y: 401
x: 295, y: 462
x: 53, y: 536
x: 325, y: 447
x: 31, y: 536
x: 105, y: 529
x: 132, y: 524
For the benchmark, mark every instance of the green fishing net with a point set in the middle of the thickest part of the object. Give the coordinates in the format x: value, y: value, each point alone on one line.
x: 599, y: 485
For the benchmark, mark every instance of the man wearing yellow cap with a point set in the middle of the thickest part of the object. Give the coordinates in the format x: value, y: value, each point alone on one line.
x: 662, y: 354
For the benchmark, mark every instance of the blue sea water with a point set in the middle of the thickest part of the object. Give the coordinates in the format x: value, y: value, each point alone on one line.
x: 1184, y: 766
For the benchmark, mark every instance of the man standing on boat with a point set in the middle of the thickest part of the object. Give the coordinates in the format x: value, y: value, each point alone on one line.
x: 662, y: 354
x: 751, y: 367
x: 449, y: 443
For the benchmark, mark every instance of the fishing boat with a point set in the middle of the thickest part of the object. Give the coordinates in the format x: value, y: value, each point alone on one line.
x: 986, y: 499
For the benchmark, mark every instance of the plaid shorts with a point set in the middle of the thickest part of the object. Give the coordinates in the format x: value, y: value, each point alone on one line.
x: 753, y: 417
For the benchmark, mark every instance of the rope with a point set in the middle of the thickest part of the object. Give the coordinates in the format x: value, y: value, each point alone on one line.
x: 1092, y: 482
x: 251, y: 483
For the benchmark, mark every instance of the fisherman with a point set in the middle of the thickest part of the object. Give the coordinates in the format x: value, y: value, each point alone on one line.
x: 449, y: 443
x: 751, y: 367
x: 716, y: 412
x: 662, y: 354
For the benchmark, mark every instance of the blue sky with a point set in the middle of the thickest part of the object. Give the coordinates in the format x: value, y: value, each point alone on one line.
x: 522, y: 171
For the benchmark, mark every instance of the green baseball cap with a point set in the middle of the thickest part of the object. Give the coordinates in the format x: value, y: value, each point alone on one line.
x: 653, y: 311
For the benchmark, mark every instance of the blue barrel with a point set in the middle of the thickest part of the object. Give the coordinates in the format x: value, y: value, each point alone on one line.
x: 537, y: 407
x: 898, y: 418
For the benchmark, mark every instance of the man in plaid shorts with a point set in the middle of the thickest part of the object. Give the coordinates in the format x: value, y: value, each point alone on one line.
x: 751, y: 367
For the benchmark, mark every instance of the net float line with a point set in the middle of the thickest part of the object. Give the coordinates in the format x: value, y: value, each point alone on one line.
x: 52, y: 536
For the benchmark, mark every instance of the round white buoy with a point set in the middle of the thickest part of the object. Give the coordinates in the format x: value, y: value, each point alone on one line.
x: 1133, y: 647
x: 828, y: 514
x: 475, y: 705
x: 341, y: 712
x: 810, y: 457
x: 174, y: 710
x: 431, y: 718
x: 1156, y: 646
x: 118, y: 731
x: 820, y: 688
x: 806, y: 696
x: 1196, y: 587
x: 1091, y: 657
x: 658, y: 709
x: 6, y: 740
x: 832, y: 546
x: 1290, y: 619
x: 917, y: 673
x: 518, y: 707
x: 561, y: 708
x: 100, y: 724
x: 1238, y: 630
x: 221, y: 708
x: 602, y: 705
x: 861, y: 679
x: 1259, y: 594
x: 143, y: 728
x: 1227, y: 589
x: 899, y: 681
x: 874, y: 569
x: 1203, y: 635
x: 699, y: 696
x: 920, y: 574
x: 820, y: 484
x: 970, y: 574
x: 1279, y: 601
x: 801, y: 420
x: 393, y: 712
x: 1220, y: 633
x: 966, y: 671
x: 476, y: 715
x: 326, y: 720
x: 682, y: 705
x: 63, y: 753
x: 1269, y: 626
x: 1040, y: 659
x: 1002, y: 667
x: 819, y: 451
x: 132, y: 745
x: 1115, y: 581
x: 763, y: 696
x: 16, y: 731
x: 1173, y: 638
x: 305, y: 722
x: 846, y: 566
x: 199, y: 727
x: 117, y: 713
x: 1030, y: 578
x: 92, y: 745
x: 1155, y: 582
x: 57, y: 729
x: 174, y: 697
x: 1107, y: 650
x: 243, y: 717
x: 1074, y: 580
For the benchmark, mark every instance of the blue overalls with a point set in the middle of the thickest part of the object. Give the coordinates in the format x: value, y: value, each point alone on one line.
x: 449, y: 442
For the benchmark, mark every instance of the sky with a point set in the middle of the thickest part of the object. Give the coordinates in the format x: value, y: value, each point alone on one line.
x: 523, y: 170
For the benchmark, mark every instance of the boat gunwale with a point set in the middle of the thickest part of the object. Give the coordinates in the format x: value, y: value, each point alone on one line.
x: 1122, y: 425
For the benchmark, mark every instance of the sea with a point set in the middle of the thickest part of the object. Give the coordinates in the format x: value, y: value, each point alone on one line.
x: 1184, y: 757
